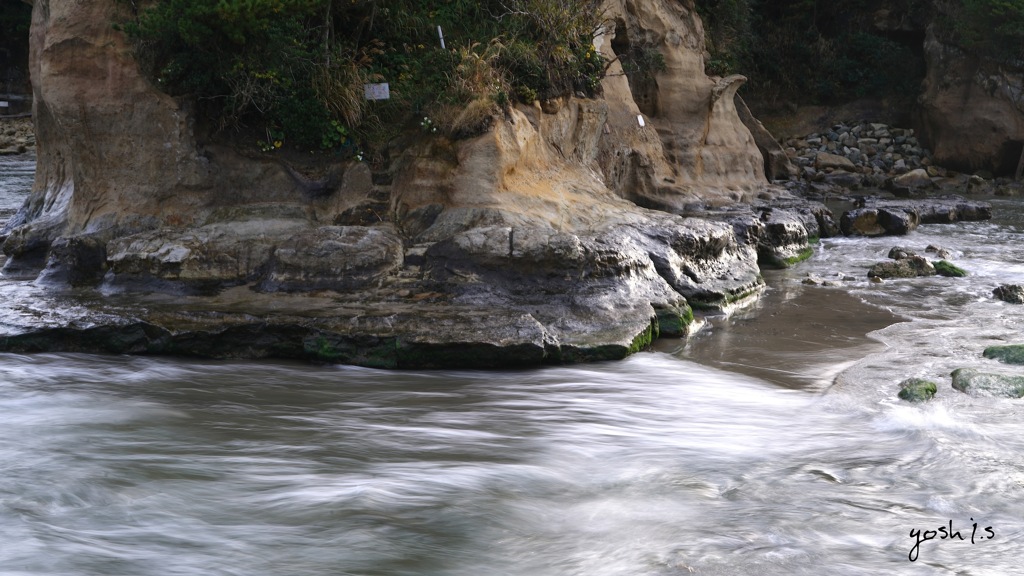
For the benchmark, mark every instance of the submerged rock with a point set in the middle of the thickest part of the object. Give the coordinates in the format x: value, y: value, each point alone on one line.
x: 910, y: 267
x: 1009, y: 354
x: 879, y: 221
x: 917, y: 178
x: 917, y: 390
x: 948, y: 269
x: 970, y: 381
x: 1012, y: 293
x: 900, y: 253
x: 938, y: 251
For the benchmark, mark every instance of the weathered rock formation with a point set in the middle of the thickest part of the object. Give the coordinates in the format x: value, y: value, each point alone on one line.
x: 1012, y: 293
x: 878, y: 216
x: 692, y: 145
x: 917, y: 390
x: 533, y: 242
x: 975, y: 383
x: 971, y: 113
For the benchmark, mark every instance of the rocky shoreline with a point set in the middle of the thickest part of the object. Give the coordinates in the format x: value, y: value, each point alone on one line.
x: 17, y: 136
x: 442, y: 289
x: 850, y: 156
x: 492, y: 296
x: 571, y: 229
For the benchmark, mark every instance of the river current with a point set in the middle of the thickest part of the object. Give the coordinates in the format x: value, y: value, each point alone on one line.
x: 771, y: 443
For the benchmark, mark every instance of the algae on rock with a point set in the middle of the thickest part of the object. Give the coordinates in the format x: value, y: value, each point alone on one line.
x: 1009, y: 354
x: 917, y: 390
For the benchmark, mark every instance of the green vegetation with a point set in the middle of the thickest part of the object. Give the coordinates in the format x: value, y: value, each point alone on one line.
x: 812, y: 51
x: 945, y: 268
x: 293, y: 71
x: 768, y: 259
x: 673, y: 322
x: 1010, y: 354
x: 15, y: 18
x: 993, y: 29
x: 917, y: 390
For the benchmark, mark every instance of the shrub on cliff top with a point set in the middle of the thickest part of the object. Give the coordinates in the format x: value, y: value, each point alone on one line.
x: 297, y: 67
x: 993, y: 29
x: 810, y: 51
x: 15, y: 18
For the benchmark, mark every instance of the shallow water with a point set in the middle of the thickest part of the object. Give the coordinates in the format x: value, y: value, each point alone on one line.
x: 772, y: 443
x: 16, y: 176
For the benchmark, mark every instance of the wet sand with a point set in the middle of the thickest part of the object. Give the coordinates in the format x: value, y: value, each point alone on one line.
x: 795, y: 335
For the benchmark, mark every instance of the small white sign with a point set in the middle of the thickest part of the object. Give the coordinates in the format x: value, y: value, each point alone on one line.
x: 640, y: 120
x: 377, y: 91
x: 4, y: 104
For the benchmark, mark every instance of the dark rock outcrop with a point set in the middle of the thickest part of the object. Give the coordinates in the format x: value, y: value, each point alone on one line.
x: 879, y: 221
x: 877, y: 216
x: 910, y: 267
x: 1012, y: 293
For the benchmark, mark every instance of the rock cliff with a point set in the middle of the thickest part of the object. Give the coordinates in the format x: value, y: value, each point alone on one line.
x: 557, y: 235
x: 971, y: 112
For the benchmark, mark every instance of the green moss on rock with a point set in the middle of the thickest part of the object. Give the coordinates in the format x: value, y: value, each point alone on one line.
x: 972, y: 382
x: 674, y: 322
x: 945, y: 268
x: 777, y: 262
x: 1010, y: 354
x: 642, y: 341
x: 917, y: 390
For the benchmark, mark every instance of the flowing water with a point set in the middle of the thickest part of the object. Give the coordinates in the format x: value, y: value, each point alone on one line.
x: 771, y: 443
x: 16, y: 175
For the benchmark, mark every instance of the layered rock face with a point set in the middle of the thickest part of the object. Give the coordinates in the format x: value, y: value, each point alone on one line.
x: 533, y: 242
x: 692, y: 146
x: 115, y: 154
x: 971, y: 115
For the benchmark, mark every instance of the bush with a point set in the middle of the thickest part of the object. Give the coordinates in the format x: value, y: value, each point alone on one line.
x: 991, y: 28
x: 15, y: 18
x: 298, y: 67
x: 810, y: 51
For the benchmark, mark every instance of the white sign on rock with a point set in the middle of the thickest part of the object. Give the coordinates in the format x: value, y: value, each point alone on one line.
x: 377, y: 91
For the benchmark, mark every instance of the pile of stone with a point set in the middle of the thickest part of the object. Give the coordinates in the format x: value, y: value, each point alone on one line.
x: 858, y: 154
x: 16, y: 136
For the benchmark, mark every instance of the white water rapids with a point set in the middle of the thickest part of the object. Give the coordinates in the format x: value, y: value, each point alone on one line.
x: 736, y: 455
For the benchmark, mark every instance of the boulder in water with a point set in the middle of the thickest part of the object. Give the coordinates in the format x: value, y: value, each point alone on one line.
x: 945, y: 268
x: 878, y: 222
x: 1009, y: 354
x: 901, y: 253
x: 970, y: 381
x: 910, y: 267
x: 917, y: 390
x: 1012, y: 293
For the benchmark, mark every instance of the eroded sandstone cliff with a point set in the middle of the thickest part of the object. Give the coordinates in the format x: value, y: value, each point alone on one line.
x: 532, y: 242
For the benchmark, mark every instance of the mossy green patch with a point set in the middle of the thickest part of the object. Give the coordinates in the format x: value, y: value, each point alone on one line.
x: 1010, y: 354
x: 771, y: 260
x: 944, y: 268
x: 642, y: 341
x: 803, y: 255
x: 917, y: 390
x: 674, y: 322
x: 972, y: 382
